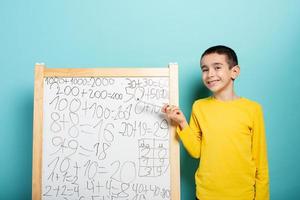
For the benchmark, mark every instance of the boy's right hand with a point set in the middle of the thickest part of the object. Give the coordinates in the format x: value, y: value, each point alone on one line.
x: 175, y: 114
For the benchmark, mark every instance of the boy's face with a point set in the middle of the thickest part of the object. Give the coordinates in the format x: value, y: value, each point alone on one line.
x: 216, y: 75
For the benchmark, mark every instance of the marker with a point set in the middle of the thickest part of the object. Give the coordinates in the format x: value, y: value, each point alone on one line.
x: 176, y: 112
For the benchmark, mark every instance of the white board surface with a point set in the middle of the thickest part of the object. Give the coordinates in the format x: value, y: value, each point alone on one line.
x: 105, y: 138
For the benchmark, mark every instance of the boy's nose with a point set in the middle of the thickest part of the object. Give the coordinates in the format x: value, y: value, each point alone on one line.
x: 211, y: 72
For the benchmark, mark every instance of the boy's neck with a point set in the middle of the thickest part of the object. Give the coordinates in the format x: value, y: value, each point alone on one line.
x: 226, y: 96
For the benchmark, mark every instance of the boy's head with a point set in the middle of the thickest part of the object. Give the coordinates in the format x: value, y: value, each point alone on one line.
x: 219, y: 65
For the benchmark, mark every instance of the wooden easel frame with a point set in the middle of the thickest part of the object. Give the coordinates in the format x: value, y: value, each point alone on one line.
x: 41, y: 71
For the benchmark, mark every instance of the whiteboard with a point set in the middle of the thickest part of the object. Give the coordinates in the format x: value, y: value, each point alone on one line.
x: 105, y: 138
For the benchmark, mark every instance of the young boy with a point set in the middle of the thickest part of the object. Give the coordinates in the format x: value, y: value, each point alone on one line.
x: 226, y: 132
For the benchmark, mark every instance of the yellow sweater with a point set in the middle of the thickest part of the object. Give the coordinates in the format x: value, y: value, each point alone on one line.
x: 229, y: 138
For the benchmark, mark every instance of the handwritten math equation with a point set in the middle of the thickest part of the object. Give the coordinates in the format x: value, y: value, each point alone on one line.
x: 105, y: 138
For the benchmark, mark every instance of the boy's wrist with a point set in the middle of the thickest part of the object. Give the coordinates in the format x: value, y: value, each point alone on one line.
x: 182, y: 125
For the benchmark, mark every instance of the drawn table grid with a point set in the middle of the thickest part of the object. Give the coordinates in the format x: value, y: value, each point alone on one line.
x: 153, y: 157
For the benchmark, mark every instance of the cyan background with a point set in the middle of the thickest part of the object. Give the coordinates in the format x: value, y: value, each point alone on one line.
x: 143, y: 33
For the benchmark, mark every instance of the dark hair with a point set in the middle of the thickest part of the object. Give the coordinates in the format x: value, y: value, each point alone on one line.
x: 223, y: 50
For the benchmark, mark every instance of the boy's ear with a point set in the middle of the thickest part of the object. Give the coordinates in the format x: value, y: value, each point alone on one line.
x: 235, y: 72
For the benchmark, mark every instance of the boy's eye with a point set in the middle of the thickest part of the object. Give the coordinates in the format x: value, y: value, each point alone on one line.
x: 218, y: 67
x: 204, y: 70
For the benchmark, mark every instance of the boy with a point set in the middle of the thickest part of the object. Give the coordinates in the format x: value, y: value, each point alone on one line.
x: 226, y: 132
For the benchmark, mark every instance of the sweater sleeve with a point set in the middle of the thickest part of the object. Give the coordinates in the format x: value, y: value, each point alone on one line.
x: 259, y: 152
x: 191, y: 136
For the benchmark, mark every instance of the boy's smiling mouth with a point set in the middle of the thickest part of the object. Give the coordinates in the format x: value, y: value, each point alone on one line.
x: 212, y: 82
